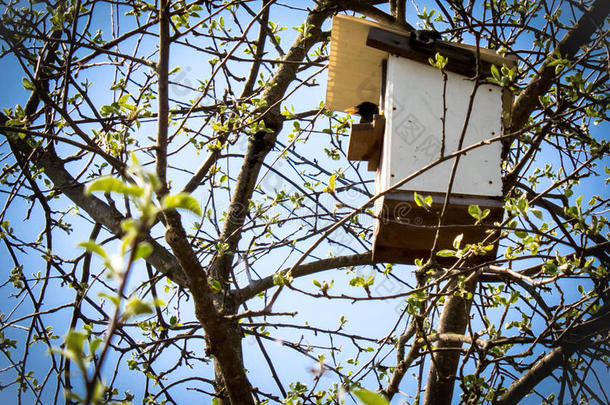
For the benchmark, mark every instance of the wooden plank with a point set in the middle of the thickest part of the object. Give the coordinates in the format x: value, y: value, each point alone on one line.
x: 460, y: 60
x: 375, y: 152
x: 361, y: 140
x: 354, y: 69
x: 405, y: 232
x: 489, y: 55
x: 365, y: 142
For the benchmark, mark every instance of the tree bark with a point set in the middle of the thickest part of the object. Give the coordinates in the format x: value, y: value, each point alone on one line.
x: 446, y: 353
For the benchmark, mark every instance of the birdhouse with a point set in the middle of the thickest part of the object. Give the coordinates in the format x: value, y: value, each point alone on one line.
x: 438, y: 135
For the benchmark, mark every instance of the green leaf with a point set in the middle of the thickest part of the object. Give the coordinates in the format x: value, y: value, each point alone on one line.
x: 216, y: 287
x: 143, y: 250
x: 94, y: 344
x: 475, y: 211
x: 93, y: 247
x: 458, y: 241
x: 183, y: 201
x: 331, y: 185
x: 550, y: 268
x: 439, y: 61
x: 114, y: 185
x: 113, y: 298
x: 419, y: 200
x: 28, y: 85
x: 495, y: 73
x: 537, y: 213
x: 124, y: 98
x: 135, y: 307
x: 75, y: 341
x: 521, y: 234
x: 446, y: 253
x: 370, y: 398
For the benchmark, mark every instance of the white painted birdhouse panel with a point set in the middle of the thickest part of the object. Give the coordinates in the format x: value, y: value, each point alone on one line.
x: 414, y: 130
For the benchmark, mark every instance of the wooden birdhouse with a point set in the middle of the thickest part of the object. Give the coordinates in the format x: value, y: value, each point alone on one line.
x: 425, y: 116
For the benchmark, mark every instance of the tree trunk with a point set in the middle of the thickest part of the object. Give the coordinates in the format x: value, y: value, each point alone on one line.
x: 446, y: 354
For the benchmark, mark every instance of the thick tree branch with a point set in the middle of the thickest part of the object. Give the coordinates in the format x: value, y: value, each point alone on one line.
x: 262, y: 142
x: 403, y: 362
x: 306, y: 269
x: 398, y: 9
x: 222, y: 335
x: 259, y: 146
x: 163, y: 96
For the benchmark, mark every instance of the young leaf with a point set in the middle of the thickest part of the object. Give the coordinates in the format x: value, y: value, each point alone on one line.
x: 495, y: 73
x: 216, y: 287
x: 114, y: 185
x: 421, y: 201
x: 458, y: 241
x: 475, y: 212
x: 331, y: 185
x: 93, y: 247
x: 370, y: 398
x: 537, y: 213
x: 28, y: 85
x: 113, y: 298
x: 183, y: 201
x: 135, y: 307
x: 75, y: 341
x: 143, y: 250
x: 446, y: 253
x: 94, y: 344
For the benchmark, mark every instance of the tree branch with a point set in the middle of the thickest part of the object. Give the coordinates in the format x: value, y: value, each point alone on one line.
x: 262, y: 142
x: 163, y: 96
x: 98, y: 210
x: 306, y: 269
x: 454, y: 320
x: 527, y: 101
x: 578, y: 339
x: 376, y: 14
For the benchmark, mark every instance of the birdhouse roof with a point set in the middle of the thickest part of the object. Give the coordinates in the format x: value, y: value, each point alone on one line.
x: 354, y: 68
